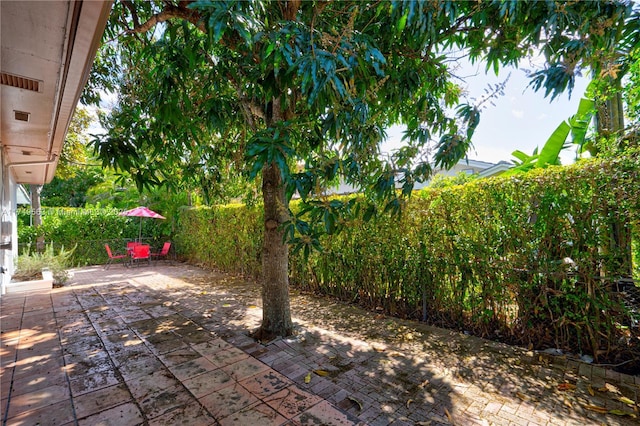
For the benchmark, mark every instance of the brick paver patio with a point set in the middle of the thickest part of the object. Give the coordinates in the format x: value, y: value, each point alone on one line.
x: 169, y: 345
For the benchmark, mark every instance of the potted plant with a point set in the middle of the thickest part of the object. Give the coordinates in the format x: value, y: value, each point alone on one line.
x: 40, y: 271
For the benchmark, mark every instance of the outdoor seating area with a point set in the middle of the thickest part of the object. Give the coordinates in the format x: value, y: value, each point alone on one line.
x: 137, y: 254
x: 170, y: 345
x: 162, y: 254
x: 140, y: 253
x: 114, y: 257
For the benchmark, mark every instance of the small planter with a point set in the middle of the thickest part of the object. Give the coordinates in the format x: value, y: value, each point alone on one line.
x: 46, y: 283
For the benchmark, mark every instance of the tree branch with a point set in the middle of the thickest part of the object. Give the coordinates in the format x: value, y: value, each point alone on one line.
x: 249, y: 109
x: 132, y: 10
x: 170, y: 12
x: 291, y: 9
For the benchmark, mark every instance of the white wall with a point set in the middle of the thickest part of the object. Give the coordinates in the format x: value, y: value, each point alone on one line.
x: 7, y: 214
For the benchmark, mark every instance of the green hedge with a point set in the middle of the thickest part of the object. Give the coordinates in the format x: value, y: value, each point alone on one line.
x: 228, y: 238
x: 88, y: 230
x: 527, y: 259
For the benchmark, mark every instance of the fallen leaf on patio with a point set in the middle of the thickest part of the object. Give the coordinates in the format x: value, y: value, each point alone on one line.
x: 597, y: 409
x: 591, y: 391
x: 409, y: 336
x: 380, y: 316
x: 566, y: 387
x: 355, y: 401
x: 626, y: 400
x: 203, y: 293
x: 448, y: 415
x: 427, y: 423
x: 377, y: 349
x: 252, y: 306
x: 622, y: 413
x: 568, y: 403
x: 409, y: 401
x: 321, y: 373
x: 608, y: 387
x: 226, y: 305
x: 522, y: 396
x: 425, y: 383
x: 307, y: 378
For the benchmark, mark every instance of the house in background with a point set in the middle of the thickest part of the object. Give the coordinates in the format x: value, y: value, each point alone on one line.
x: 473, y: 167
x: 476, y: 167
x: 48, y: 48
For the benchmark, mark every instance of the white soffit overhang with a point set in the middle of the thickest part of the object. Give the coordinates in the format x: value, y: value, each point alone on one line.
x: 48, y: 48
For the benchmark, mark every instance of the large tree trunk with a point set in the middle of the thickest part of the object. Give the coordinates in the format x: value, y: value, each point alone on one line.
x: 276, y: 311
x: 610, y: 122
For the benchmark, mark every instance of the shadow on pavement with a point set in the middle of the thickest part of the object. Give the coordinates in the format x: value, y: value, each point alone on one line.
x: 163, y: 344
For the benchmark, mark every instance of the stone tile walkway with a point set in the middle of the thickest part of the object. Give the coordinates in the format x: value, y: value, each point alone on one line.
x: 168, y: 345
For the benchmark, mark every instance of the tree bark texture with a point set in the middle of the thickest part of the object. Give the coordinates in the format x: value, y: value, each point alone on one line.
x: 276, y: 310
x: 610, y: 121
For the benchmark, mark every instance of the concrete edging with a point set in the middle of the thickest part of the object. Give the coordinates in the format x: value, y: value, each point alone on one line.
x: 46, y: 283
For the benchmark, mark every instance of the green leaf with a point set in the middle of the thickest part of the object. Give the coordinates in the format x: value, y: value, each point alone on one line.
x: 369, y: 213
x: 581, y: 120
x: 550, y: 152
x: 269, y: 49
x: 402, y: 22
x: 622, y: 413
x: 521, y: 155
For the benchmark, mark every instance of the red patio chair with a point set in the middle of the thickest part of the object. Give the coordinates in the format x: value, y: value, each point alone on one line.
x: 164, y: 253
x: 113, y: 257
x: 140, y: 252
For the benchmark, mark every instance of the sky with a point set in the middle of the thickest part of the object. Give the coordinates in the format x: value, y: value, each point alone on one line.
x: 522, y: 119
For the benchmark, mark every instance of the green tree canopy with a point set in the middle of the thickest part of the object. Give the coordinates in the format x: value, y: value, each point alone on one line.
x: 74, y: 176
x: 74, y: 151
x: 297, y: 93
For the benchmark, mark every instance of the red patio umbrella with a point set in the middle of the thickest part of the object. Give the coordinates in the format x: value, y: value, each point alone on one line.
x: 141, y: 212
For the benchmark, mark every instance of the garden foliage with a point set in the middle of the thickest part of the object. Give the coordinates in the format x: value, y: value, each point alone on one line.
x: 227, y: 237
x: 29, y: 265
x: 88, y: 230
x: 529, y: 259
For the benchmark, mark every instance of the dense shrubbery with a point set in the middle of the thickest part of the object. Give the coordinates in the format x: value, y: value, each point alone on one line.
x: 528, y: 259
x: 88, y: 230
x: 226, y: 237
